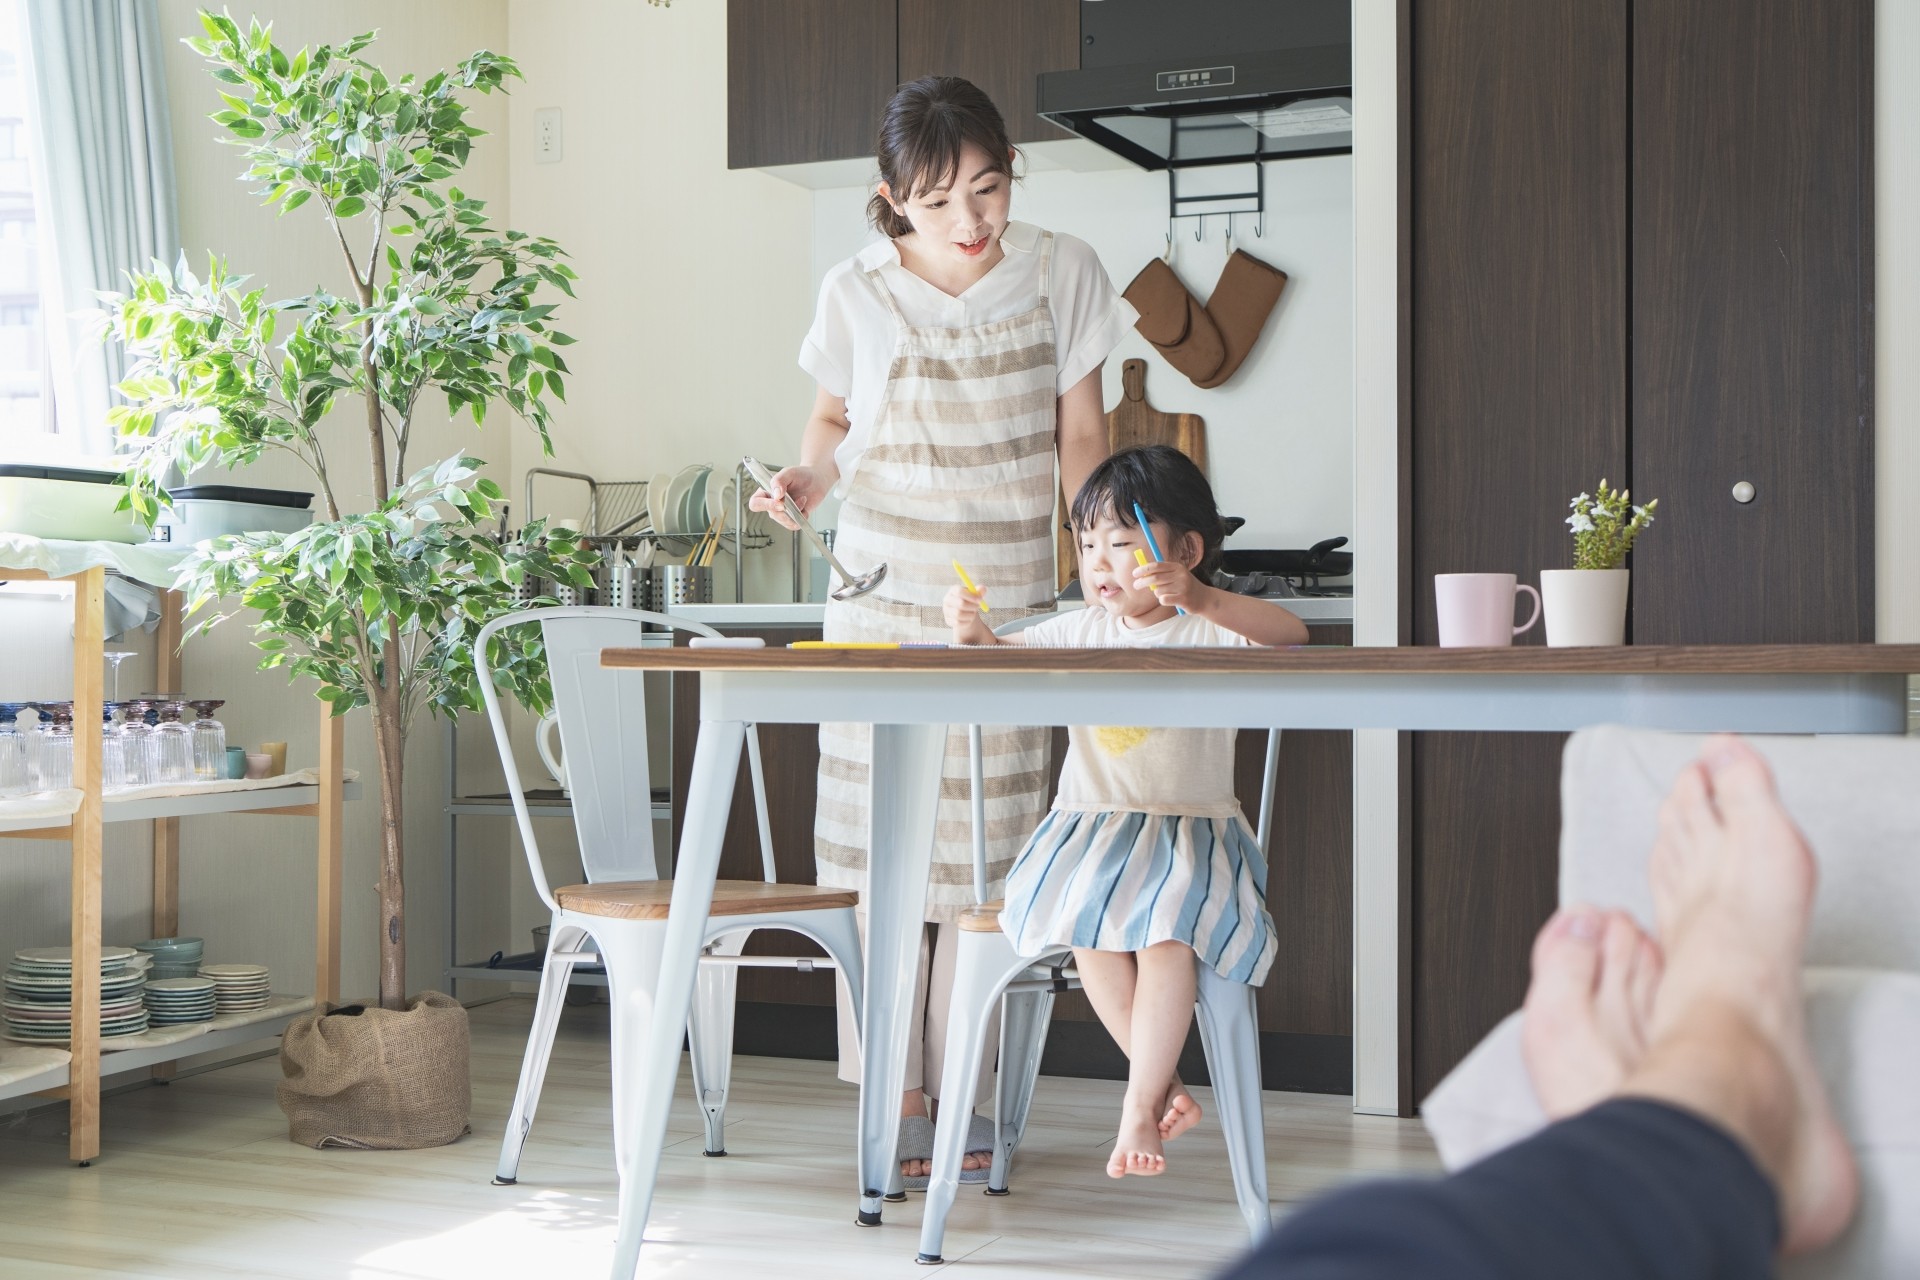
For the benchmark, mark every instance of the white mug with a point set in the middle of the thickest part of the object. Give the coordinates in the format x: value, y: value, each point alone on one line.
x: 550, y: 754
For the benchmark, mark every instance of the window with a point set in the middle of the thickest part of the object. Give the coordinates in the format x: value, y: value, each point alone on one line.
x: 22, y: 346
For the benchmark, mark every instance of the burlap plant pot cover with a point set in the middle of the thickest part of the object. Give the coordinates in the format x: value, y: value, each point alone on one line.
x: 375, y: 1079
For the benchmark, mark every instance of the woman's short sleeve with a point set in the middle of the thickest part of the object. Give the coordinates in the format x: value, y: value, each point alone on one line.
x: 827, y: 354
x: 1089, y: 317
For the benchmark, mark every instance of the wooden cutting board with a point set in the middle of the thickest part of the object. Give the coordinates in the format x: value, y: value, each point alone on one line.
x: 1135, y: 422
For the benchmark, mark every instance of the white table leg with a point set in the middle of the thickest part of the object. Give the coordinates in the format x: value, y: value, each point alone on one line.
x: 1377, y: 939
x: 905, y: 780
x: 716, y: 761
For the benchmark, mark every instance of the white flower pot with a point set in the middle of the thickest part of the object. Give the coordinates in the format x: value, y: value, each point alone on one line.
x: 1585, y: 606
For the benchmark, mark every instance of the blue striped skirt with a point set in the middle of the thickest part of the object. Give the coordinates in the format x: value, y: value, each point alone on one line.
x: 1124, y: 881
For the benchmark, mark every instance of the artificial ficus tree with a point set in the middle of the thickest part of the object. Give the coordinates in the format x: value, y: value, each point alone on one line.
x: 380, y: 606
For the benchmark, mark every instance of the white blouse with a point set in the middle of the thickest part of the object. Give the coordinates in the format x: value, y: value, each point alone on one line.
x: 850, y: 347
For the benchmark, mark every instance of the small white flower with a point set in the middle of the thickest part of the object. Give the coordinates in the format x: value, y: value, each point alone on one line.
x: 1578, y: 499
x: 1580, y: 523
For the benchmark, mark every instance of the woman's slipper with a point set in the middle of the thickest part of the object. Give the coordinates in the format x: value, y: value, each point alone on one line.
x: 979, y: 1143
x: 915, y: 1143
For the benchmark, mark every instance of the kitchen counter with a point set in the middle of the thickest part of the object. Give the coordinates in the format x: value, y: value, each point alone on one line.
x: 1317, y: 610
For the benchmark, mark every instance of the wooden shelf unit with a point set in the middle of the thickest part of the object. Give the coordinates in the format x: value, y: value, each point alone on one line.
x: 79, y: 1079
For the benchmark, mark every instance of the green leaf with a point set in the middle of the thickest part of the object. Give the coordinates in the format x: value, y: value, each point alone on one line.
x: 348, y: 206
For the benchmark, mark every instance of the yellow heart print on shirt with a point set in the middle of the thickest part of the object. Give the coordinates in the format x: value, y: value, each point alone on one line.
x: 1117, y: 740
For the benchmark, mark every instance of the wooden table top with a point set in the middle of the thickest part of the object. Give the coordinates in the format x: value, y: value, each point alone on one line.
x: 1716, y: 659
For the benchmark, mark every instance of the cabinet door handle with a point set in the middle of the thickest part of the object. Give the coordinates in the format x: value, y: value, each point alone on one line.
x: 1743, y: 492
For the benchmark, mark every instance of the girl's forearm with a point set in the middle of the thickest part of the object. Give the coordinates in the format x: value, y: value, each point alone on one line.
x: 1260, y: 621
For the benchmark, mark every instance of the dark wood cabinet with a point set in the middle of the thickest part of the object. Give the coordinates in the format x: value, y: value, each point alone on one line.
x: 1518, y: 295
x: 1000, y: 45
x: 1752, y: 351
x: 807, y: 79
x: 1639, y: 247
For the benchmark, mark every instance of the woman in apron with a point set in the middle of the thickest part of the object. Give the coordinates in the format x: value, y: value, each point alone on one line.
x: 956, y: 360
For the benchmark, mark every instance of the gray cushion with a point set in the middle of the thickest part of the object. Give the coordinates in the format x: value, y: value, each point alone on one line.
x: 1857, y: 799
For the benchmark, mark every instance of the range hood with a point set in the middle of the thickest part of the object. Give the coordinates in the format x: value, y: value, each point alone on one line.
x: 1209, y: 82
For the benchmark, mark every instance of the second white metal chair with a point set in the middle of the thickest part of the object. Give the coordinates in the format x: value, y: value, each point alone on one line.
x: 622, y: 906
x: 987, y: 970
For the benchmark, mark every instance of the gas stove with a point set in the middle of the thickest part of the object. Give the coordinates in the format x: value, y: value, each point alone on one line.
x: 1288, y: 574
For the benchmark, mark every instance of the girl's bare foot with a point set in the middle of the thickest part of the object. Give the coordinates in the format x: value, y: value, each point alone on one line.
x: 1182, y: 1112
x: 1733, y: 888
x: 1137, y: 1150
x: 1588, y: 1007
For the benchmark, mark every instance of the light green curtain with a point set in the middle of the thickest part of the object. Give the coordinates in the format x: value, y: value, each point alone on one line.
x: 105, y: 187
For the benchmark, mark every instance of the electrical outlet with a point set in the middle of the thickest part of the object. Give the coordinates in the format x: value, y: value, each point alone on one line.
x: 547, y: 138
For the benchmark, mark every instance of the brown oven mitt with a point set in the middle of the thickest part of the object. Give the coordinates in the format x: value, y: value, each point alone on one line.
x: 1175, y: 323
x: 1241, y: 302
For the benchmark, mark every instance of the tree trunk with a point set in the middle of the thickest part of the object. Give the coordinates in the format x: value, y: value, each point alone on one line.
x: 389, y: 747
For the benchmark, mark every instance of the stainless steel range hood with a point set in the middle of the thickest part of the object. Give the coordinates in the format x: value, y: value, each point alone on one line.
x: 1205, y: 82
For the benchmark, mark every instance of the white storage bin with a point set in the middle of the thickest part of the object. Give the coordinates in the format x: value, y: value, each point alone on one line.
x: 192, y: 520
x: 54, y: 502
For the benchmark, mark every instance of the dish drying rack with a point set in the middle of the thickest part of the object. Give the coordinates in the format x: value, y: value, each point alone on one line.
x: 617, y: 515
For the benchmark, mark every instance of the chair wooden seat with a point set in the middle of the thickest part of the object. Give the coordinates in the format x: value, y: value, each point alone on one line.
x: 984, y: 918
x: 648, y: 899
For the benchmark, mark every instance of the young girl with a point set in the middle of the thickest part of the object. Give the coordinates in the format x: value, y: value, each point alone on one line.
x: 1145, y: 861
x: 957, y: 357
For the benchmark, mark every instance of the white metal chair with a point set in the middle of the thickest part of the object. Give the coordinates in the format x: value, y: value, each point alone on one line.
x: 623, y: 904
x: 987, y: 970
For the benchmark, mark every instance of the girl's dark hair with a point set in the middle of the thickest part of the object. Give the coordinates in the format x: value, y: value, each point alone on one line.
x: 927, y: 123
x: 1168, y: 487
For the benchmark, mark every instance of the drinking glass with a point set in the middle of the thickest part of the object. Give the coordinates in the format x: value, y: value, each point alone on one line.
x: 139, y: 737
x: 209, y: 740
x: 172, y: 746
x: 53, y: 753
x: 16, y: 777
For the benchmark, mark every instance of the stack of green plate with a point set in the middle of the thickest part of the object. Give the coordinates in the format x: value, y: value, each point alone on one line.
x: 39, y: 994
x: 172, y: 1001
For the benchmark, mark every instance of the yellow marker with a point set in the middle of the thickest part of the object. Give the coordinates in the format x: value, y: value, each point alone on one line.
x: 1140, y: 558
x: 844, y: 644
x: 967, y: 582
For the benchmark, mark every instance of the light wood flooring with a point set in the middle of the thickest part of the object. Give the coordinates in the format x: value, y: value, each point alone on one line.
x: 198, y: 1180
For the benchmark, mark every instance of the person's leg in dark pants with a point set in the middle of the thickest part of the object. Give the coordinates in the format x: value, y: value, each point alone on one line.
x: 1629, y: 1189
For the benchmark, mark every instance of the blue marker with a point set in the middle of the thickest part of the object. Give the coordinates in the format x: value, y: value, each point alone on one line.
x: 1147, y: 533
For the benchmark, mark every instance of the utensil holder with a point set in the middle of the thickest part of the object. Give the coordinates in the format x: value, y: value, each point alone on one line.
x: 567, y: 594
x: 628, y: 587
x: 688, y: 584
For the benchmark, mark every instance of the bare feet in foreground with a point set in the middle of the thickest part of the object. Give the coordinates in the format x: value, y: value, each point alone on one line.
x: 1717, y: 1028
x: 1182, y: 1112
x: 1587, y: 1010
x: 1733, y: 884
x: 1137, y: 1150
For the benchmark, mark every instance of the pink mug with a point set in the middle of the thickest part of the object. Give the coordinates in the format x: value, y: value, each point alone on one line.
x: 1476, y: 609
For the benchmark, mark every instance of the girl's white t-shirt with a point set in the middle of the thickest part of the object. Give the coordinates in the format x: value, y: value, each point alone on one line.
x: 851, y: 345
x: 1117, y: 768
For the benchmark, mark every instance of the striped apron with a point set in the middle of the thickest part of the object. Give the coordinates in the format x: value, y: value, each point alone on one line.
x: 959, y: 464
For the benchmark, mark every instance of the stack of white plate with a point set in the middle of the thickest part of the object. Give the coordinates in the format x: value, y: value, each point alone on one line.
x: 238, y: 987
x: 172, y: 1001
x: 39, y: 994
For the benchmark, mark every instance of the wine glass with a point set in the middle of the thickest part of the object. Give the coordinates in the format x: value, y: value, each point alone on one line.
x: 117, y: 657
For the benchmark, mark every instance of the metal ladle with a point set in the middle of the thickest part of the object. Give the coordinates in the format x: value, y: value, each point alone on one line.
x: 856, y: 585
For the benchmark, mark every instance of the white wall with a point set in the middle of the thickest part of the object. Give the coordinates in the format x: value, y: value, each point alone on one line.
x: 1280, y: 433
x: 695, y: 280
